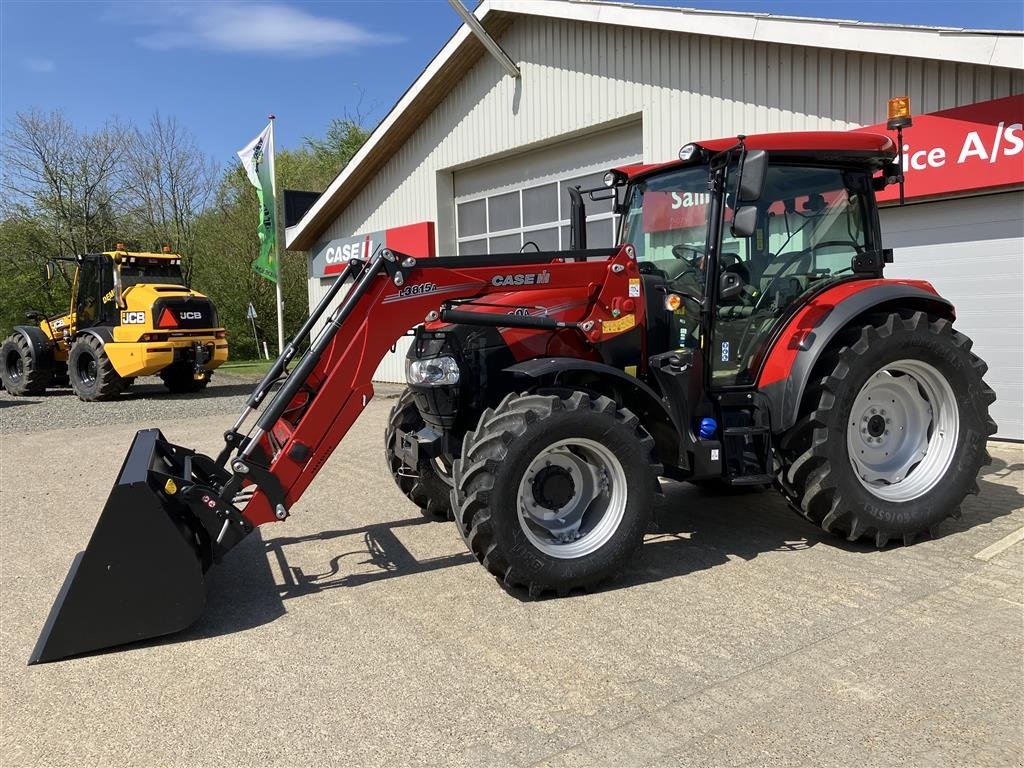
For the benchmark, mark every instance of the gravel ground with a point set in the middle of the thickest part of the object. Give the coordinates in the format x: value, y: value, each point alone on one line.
x: 358, y: 633
x: 147, y: 401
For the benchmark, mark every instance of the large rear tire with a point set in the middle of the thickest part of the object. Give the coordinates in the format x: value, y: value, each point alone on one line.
x: 18, y: 370
x: 90, y: 371
x: 554, y: 493
x: 893, y: 434
x: 428, y: 485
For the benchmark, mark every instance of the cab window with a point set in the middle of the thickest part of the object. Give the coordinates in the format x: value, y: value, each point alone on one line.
x: 812, y: 222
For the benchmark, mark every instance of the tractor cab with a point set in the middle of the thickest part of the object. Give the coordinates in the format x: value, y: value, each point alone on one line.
x: 724, y: 267
x: 102, y: 280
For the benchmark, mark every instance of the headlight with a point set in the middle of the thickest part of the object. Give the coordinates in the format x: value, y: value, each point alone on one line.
x: 614, y: 178
x: 687, y: 152
x: 433, y: 372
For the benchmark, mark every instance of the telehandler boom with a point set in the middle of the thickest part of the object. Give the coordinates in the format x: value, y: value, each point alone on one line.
x: 741, y: 333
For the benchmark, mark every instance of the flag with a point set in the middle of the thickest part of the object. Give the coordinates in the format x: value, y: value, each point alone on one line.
x: 258, y: 159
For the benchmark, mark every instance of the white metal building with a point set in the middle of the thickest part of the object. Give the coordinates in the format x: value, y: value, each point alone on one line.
x: 484, y: 156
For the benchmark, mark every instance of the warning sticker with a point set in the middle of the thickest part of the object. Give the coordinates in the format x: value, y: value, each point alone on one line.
x: 634, y: 287
x: 624, y: 323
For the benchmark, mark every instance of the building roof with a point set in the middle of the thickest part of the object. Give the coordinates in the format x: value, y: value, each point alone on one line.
x: 460, y: 53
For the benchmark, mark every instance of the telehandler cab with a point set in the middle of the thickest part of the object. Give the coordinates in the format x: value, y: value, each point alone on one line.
x: 741, y: 334
x: 131, y: 315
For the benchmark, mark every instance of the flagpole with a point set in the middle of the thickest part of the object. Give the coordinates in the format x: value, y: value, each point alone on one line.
x: 277, y: 241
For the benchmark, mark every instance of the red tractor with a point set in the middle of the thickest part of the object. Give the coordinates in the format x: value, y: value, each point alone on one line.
x: 741, y: 334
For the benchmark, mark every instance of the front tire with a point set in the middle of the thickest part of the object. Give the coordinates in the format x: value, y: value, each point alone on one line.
x: 90, y: 371
x: 554, y: 493
x: 427, y: 486
x: 894, y: 434
x: 18, y: 370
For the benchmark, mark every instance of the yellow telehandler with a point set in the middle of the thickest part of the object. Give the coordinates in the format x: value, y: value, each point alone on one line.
x: 131, y: 315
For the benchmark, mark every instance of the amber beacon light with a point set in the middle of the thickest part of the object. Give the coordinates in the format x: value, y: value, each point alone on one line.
x: 899, y: 113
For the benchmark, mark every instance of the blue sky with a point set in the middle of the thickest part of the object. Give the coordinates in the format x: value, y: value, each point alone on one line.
x: 221, y: 67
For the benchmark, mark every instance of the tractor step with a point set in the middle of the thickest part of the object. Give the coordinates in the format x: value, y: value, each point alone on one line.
x: 747, y: 453
x: 751, y: 480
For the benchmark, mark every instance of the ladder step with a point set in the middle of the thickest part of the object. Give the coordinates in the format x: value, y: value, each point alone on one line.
x: 751, y: 480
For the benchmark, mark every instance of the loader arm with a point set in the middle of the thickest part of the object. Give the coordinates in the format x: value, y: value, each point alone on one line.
x: 174, y: 512
x: 330, y: 386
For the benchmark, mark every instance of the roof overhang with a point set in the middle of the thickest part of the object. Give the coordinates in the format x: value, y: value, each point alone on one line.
x: 461, y: 52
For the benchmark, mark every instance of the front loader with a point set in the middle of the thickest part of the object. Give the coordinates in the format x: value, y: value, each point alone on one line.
x: 741, y: 334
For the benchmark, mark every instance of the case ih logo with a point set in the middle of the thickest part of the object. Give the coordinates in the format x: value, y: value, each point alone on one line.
x: 532, y: 278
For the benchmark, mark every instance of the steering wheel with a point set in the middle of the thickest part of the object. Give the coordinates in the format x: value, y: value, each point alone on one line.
x: 691, y: 264
x: 781, y: 274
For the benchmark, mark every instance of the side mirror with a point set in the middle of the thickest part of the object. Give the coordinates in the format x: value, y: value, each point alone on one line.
x: 744, y: 221
x: 49, y: 269
x: 752, y: 176
x: 729, y: 286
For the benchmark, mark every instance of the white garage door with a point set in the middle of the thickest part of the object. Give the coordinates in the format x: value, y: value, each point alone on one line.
x: 972, y: 251
x: 505, y: 205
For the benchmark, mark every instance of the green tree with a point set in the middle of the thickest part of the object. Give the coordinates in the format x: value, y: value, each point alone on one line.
x: 68, y: 191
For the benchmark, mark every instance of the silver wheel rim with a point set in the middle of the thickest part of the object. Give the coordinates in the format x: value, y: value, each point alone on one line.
x: 902, y: 431
x: 588, y: 503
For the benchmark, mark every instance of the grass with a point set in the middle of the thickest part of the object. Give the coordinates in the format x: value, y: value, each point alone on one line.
x: 246, y: 367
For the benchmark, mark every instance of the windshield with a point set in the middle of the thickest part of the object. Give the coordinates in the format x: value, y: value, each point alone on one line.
x: 151, y: 271
x: 666, y: 220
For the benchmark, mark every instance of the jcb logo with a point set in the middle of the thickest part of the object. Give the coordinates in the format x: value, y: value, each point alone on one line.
x: 133, y: 318
x: 190, y: 315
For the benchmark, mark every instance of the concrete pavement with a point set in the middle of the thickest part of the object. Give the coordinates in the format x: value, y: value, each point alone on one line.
x: 358, y: 633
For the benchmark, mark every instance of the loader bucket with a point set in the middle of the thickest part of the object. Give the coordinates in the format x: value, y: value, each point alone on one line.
x: 141, y: 575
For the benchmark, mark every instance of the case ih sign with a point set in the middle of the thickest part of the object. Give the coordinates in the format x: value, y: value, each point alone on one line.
x: 331, y: 256
x: 965, y: 149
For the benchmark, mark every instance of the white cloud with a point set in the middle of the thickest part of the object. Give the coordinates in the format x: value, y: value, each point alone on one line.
x: 245, y: 27
x: 39, y: 64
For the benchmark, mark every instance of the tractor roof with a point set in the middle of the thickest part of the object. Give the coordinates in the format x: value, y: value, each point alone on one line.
x: 873, y: 149
x: 121, y: 254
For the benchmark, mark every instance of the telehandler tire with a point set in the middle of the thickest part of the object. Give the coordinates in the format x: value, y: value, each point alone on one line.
x: 179, y: 379
x: 18, y: 370
x: 90, y: 371
x: 893, y: 432
x: 427, y: 486
x: 554, y: 493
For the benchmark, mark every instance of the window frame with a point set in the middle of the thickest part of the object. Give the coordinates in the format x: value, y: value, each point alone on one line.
x: 559, y: 225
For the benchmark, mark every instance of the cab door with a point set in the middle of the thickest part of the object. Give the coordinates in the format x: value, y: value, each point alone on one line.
x: 812, y: 222
x: 95, y: 303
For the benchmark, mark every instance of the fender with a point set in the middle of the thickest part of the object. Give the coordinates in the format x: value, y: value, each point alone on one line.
x: 102, y: 332
x: 800, y: 344
x: 40, y: 344
x: 654, y: 413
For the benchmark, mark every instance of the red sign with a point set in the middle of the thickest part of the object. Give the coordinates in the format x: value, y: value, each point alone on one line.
x: 978, y: 146
x: 331, y: 257
x: 665, y: 211
x: 167, y: 319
